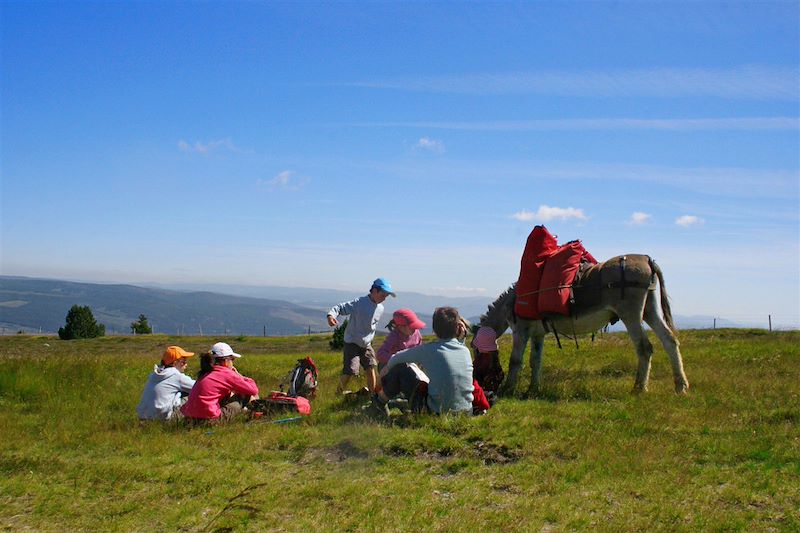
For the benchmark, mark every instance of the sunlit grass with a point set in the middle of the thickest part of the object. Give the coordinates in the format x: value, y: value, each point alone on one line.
x: 588, y: 455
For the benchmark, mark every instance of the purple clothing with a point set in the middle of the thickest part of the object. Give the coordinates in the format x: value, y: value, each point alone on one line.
x: 395, y: 342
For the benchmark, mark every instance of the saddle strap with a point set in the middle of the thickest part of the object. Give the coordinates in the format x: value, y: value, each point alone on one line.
x: 623, y: 283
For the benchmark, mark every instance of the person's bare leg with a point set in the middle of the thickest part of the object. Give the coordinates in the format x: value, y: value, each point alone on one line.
x: 343, y: 380
x: 372, y: 379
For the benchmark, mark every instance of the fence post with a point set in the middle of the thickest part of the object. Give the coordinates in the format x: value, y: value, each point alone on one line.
x: 715, y: 322
x: 770, y: 323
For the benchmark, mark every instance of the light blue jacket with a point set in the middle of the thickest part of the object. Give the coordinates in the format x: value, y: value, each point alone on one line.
x: 448, y: 364
x: 364, y: 315
x: 163, y: 392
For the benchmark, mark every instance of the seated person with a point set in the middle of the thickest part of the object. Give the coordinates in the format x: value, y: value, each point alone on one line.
x: 221, y: 393
x: 403, y: 334
x: 488, y: 371
x: 447, y: 365
x: 167, y: 387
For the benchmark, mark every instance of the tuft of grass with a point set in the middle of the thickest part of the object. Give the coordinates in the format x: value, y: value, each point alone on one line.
x: 587, y: 455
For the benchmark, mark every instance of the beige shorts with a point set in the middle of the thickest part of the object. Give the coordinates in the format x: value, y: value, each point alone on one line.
x: 355, y: 357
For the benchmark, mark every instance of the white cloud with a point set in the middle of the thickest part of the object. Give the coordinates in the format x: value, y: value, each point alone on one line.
x: 282, y: 179
x: 207, y: 147
x: 638, y: 218
x: 286, y: 179
x: 546, y: 213
x: 431, y: 145
x: 689, y: 220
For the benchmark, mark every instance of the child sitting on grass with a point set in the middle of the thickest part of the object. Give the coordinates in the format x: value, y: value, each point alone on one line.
x: 487, y: 369
x: 403, y: 334
x: 221, y: 393
x: 446, y: 363
x: 167, y: 387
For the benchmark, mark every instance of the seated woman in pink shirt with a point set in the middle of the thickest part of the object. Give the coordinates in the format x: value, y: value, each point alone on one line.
x: 222, y: 392
x: 403, y: 334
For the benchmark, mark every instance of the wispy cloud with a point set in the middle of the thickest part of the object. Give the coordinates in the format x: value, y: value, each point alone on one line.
x: 747, y: 81
x: 638, y: 218
x: 204, y: 148
x: 460, y: 290
x: 286, y: 180
x: 687, y: 221
x: 717, y: 181
x: 430, y: 145
x: 545, y: 213
x: 608, y: 124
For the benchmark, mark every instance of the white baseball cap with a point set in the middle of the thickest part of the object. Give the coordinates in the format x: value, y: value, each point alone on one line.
x: 223, y: 349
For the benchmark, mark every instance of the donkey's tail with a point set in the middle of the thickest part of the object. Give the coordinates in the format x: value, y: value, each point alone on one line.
x: 665, y: 308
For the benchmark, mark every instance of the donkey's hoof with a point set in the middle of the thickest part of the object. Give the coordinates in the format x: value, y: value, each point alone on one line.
x: 533, y: 392
x: 506, y: 391
x: 682, y: 389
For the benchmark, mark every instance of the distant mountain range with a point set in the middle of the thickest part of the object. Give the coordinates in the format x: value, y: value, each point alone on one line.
x: 33, y: 305
x: 41, y: 305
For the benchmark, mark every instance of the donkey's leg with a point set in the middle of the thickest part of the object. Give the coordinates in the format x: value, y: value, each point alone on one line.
x: 668, y: 340
x: 520, y: 335
x: 632, y: 318
x: 537, y: 345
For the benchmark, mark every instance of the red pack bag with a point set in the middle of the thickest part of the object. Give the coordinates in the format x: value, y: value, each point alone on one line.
x: 558, y: 274
x: 279, y: 402
x: 540, y: 244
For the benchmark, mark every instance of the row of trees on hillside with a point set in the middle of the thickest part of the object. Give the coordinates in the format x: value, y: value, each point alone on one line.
x: 81, y: 324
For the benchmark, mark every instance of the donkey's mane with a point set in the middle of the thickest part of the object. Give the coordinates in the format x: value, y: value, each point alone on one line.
x: 496, y: 316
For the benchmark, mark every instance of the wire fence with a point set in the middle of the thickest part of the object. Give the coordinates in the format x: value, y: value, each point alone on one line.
x: 767, y: 322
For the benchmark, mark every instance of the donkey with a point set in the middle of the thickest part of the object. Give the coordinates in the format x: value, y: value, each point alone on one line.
x: 623, y: 288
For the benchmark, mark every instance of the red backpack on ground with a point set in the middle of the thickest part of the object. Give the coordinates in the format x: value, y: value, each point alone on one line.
x: 278, y: 402
x: 302, y: 380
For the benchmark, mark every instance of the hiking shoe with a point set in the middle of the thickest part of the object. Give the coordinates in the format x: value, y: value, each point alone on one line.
x: 399, y: 403
x: 378, y: 408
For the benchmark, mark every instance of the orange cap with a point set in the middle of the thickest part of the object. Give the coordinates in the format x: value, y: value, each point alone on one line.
x: 173, y: 353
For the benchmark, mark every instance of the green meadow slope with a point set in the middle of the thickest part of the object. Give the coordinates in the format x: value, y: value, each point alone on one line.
x: 588, y: 455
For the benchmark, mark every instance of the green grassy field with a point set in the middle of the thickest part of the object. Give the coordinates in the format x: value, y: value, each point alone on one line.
x: 589, y: 456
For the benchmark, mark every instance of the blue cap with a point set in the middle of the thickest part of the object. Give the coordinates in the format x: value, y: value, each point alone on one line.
x: 384, y: 285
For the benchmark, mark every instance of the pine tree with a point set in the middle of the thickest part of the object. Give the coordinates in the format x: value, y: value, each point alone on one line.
x: 141, y: 327
x: 337, y: 340
x: 81, y: 324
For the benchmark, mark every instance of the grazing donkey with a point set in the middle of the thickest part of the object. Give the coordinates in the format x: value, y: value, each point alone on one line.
x: 624, y: 288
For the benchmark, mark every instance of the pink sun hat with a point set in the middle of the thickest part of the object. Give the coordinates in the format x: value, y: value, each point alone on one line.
x: 407, y: 317
x: 485, y: 340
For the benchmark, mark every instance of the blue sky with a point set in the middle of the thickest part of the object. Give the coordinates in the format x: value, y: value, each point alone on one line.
x: 325, y: 144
